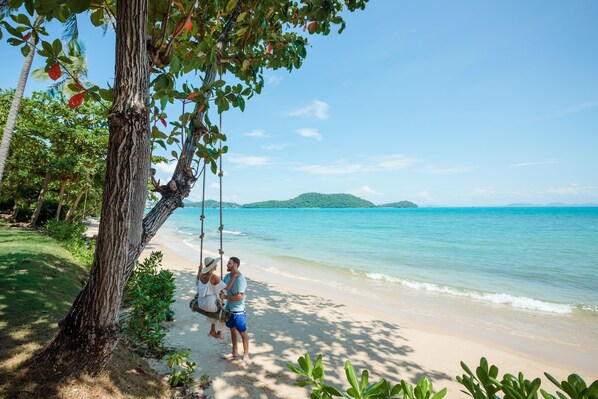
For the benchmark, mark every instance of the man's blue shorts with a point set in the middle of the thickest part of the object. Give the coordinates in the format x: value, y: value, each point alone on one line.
x: 237, y: 320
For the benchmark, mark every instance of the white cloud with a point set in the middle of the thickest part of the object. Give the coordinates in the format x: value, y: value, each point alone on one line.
x: 245, y: 160
x: 383, y: 163
x: 574, y: 189
x: 366, y: 190
x: 256, y: 133
x: 433, y: 170
x: 425, y: 195
x: 524, y: 164
x: 309, y: 133
x: 167, y: 168
x: 273, y: 80
x: 393, y: 162
x: 330, y: 169
x: 215, y: 185
x: 317, y: 109
x: 272, y: 147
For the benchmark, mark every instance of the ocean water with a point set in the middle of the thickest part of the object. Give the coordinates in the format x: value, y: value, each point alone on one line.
x: 534, y: 259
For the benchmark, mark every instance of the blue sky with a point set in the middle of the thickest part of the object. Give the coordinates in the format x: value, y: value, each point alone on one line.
x: 459, y: 103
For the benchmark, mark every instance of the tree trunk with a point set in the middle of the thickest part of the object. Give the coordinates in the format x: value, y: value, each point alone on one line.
x: 87, y: 337
x: 40, y: 200
x: 60, y: 196
x: 75, y: 204
x: 11, y: 119
x: 15, y: 211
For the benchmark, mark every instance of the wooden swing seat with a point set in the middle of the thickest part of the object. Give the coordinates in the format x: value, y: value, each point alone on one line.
x: 220, y: 315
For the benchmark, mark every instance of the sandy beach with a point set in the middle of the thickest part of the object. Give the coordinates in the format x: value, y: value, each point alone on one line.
x: 394, y: 335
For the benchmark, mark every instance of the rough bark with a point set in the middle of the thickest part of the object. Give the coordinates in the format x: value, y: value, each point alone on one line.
x: 40, y: 200
x: 11, y: 119
x: 88, y: 335
x: 60, y: 198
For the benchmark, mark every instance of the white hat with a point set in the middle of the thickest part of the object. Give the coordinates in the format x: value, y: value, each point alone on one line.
x: 209, y: 264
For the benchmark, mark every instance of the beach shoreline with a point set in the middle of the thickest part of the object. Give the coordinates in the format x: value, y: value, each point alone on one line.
x: 394, y: 335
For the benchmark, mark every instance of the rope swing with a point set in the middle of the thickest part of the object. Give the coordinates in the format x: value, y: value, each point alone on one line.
x: 222, y: 314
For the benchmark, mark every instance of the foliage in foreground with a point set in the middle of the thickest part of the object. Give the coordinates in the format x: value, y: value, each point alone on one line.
x: 481, y: 385
x: 149, y: 294
x: 181, y: 370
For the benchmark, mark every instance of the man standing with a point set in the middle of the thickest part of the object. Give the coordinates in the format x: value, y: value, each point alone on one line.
x: 235, y: 304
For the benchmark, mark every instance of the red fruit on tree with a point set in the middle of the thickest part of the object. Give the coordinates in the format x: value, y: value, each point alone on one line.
x: 312, y: 27
x: 76, y: 100
x: 188, y: 25
x: 269, y: 48
x: 26, y: 37
x: 54, y: 72
x: 163, y: 121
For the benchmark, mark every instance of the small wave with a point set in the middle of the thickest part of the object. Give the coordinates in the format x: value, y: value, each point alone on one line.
x: 235, y: 233
x: 519, y: 302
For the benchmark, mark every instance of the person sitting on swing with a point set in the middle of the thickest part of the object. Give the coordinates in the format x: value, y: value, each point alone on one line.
x: 209, y: 286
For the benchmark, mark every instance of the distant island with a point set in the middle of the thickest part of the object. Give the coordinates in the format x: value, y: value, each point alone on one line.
x: 210, y: 204
x: 307, y: 200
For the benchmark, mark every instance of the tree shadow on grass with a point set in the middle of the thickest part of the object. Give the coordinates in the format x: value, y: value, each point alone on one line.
x: 36, y: 291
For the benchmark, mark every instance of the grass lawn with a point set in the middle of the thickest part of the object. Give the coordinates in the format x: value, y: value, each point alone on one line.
x: 38, y: 282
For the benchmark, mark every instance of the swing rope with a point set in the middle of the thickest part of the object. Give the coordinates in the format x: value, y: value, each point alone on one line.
x: 222, y: 313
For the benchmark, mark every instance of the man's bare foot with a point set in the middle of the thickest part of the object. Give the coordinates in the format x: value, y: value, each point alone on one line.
x: 229, y: 356
x: 219, y: 335
x: 244, y: 364
x: 215, y: 335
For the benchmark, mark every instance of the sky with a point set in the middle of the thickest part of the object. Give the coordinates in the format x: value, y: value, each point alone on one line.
x: 460, y: 103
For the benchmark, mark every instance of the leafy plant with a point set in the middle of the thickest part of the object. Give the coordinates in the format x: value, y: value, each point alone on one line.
x: 149, y: 293
x: 71, y: 235
x: 481, y: 385
x: 313, y: 374
x: 575, y: 387
x: 180, y: 369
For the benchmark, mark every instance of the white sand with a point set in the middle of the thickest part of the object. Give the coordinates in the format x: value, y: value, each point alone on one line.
x: 394, y: 336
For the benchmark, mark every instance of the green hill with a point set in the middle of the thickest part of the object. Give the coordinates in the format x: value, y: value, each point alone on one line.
x: 316, y: 200
x: 210, y: 204
x: 400, y: 204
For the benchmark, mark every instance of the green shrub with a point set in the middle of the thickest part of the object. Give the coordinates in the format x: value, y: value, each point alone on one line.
x: 148, y: 294
x: 481, y: 385
x: 62, y: 231
x: 181, y: 370
x: 71, y: 235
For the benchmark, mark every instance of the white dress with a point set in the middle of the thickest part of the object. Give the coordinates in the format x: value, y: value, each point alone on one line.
x: 207, y: 295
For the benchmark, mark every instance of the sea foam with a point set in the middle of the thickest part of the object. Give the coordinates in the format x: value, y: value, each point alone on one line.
x: 519, y: 302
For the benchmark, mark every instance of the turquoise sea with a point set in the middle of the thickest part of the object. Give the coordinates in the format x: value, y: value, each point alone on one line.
x: 535, y: 259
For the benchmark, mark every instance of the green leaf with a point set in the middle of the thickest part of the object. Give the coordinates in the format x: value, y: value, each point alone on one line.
x: 97, y: 18
x: 78, y: 6
x: 231, y: 5
x: 546, y: 395
x: 57, y: 46
x: 331, y: 390
x: 440, y: 394
x: 351, y: 377
x: 25, y: 50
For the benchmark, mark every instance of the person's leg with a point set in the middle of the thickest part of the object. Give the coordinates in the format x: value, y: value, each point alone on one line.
x: 241, y: 325
x: 245, y: 341
x: 234, y: 341
x: 212, y: 332
x: 232, y: 325
x: 219, y: 326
